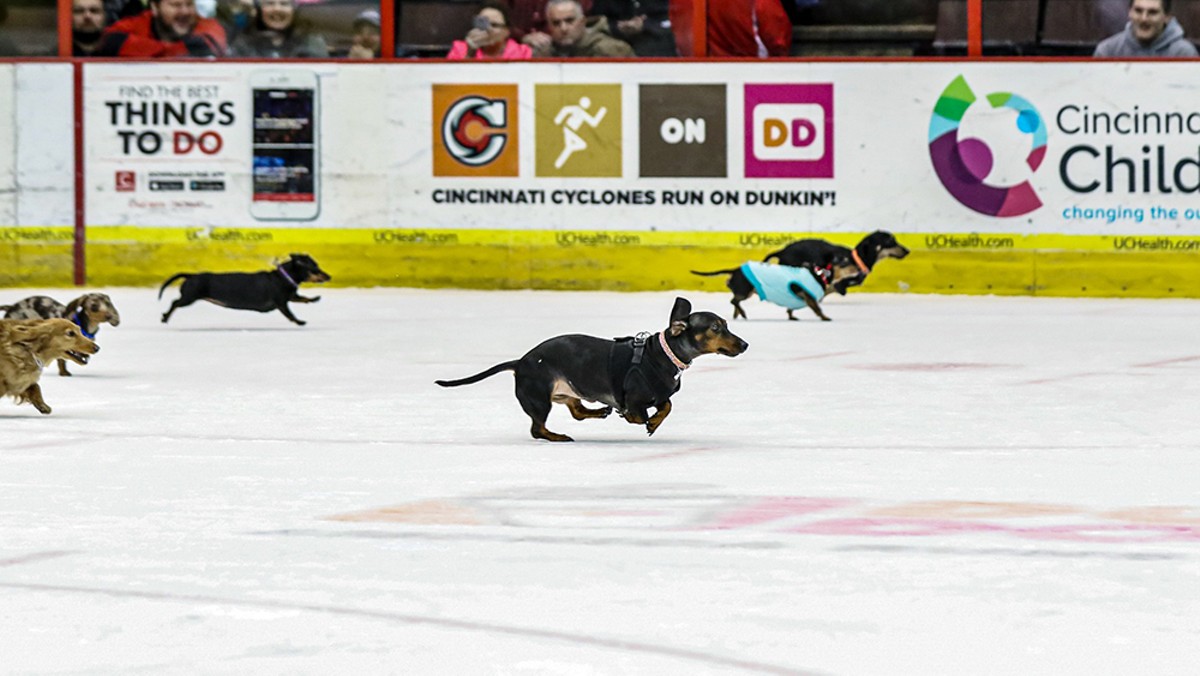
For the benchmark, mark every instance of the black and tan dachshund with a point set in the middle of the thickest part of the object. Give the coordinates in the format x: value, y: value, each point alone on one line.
x: 258, y: 291
x: 819, y: 253
x: 628, y: 375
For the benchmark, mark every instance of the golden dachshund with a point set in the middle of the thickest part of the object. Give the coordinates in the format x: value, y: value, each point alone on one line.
x: 27, y: 345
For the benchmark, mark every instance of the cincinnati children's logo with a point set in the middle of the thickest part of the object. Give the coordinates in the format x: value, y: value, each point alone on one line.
x: 475, y: 130
x: 963, y: 165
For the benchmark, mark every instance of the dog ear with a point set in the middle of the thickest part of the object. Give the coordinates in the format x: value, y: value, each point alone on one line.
x: 679, y: 316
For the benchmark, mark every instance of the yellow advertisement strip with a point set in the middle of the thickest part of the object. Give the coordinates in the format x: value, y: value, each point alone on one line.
x: 40, y: 256
x: 985, y: 263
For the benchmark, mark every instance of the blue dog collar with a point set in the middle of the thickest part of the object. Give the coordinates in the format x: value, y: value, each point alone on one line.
x: 77, y: 318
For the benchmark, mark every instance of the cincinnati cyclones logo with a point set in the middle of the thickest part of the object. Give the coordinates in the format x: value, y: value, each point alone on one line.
x: 475, y: 130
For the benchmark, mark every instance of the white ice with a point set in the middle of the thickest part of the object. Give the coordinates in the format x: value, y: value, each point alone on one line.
x: 925, y: 485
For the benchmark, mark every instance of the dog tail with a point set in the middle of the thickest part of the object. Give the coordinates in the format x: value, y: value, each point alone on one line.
x: 182, y: 275
x: 506, y: 366
x: 714, y: 273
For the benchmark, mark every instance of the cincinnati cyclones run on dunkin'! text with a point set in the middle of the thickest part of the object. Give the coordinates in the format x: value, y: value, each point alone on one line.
x: 636, y: 197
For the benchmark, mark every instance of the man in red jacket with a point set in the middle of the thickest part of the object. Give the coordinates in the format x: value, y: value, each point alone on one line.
x: 748, y: 28
x: 169, y: 28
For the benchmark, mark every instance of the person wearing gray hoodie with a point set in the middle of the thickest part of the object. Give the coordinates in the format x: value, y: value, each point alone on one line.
x: 1151, y: 32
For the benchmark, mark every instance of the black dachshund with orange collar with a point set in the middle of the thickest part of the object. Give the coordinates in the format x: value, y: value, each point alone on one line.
x: 819, y: 254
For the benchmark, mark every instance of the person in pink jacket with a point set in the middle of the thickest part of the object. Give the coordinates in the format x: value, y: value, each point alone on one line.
x: 493, y: 41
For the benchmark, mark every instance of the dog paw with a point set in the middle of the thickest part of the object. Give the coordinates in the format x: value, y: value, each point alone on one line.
x: 300, y: 322
x: 606, y: 411
x: 42, y: 408
x: 314, y: 299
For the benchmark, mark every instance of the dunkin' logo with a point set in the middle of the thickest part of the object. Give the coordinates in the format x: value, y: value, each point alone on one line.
x: 789, y: 131
x: 963, y: 165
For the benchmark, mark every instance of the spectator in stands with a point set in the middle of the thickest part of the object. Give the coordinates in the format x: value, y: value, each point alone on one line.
x: 279, y: 33
x: 493, y: 42
x: 644, y: 24
x: 368, y: 36
x: 117, y: 10
x: 87, y: 25
x: 236, y: 16
x: 748, y: 28
x: 1151, y: 32
x: 169, y: 28
x: 571, y: 36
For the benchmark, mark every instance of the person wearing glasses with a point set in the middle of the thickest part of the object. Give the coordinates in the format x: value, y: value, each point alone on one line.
x: 490, y: 37
x: 570, y: 35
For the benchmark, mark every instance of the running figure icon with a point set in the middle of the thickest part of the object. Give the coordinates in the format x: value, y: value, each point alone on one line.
x: 571, y: 118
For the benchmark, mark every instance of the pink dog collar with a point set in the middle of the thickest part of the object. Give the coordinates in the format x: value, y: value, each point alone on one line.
x: 662, y: 340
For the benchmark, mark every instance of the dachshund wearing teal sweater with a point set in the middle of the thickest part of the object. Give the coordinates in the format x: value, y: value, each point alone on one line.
x: 789, y: 287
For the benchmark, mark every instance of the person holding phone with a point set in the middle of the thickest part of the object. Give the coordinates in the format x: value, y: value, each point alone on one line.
x: 490, y: 37
x: 279, y: 33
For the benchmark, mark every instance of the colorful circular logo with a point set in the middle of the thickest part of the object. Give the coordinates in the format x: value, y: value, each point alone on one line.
x: 963, y: 165
x: 474, y: 130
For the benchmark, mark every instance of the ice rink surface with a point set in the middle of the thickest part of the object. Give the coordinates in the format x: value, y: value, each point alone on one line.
x: 925, y: 485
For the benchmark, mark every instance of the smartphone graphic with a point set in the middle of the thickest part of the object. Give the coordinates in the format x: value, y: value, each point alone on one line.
x: 286, y: 157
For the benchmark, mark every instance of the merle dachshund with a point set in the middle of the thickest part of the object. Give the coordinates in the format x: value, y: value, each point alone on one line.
x: 87, y: 312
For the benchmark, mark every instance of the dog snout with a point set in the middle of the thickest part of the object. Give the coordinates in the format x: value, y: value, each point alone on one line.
x: 732, y: 346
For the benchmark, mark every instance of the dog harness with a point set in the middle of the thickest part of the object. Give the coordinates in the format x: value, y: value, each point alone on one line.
x: 773, y: 283
x: 629, y: 370
x: 81, y: 322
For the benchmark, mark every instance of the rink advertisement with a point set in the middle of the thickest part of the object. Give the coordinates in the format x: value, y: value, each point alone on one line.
x: 36, y: 174
x: 1067, y: 179
x: 202, y: 147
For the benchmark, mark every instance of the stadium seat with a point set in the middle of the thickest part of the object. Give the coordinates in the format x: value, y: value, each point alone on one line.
x: 1009, y: 27
x: 1075, y: 26
x: 428, y: 27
